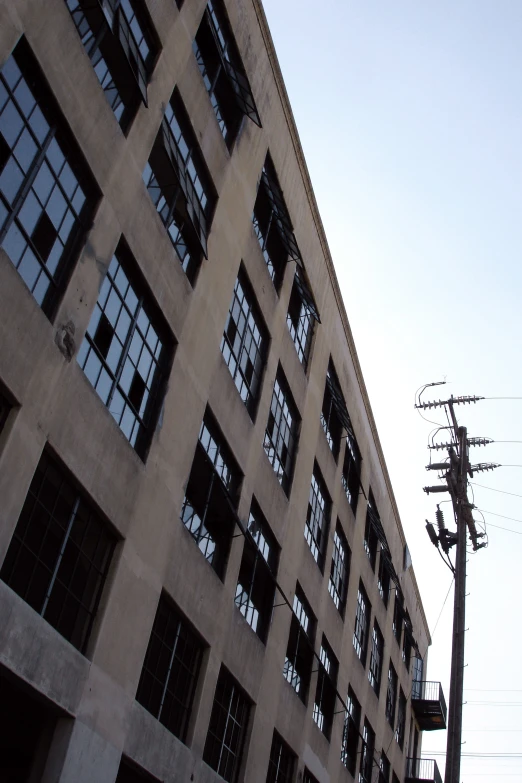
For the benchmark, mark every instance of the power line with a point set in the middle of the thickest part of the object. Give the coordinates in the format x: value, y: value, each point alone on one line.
x: 442, y: 609
x: 502, y: 491
x: 507, y: 529
x: 502, y: 516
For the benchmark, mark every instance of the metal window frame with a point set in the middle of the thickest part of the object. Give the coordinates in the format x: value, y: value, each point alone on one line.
x: 376, y: 658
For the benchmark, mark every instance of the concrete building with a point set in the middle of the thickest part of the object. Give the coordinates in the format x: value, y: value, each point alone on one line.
x: 203, y: 569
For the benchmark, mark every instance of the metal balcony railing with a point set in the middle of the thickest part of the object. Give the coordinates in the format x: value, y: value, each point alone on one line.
x: 429, y: 705
x: 422, y: 771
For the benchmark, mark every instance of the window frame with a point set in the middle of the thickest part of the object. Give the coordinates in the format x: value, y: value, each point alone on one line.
x: 350, y: 740
x: 326, y: 689
x: 367, y: 751
x: 339, y: 570
x: 228, y: 87
x: 351, y: 472
x: 301, y: 316
x: 252, y: 337
x: 60, y: 558
x: 260, y: 543
x: 400, y: 729
x: 214, y: 461
x: 391, y: 695
x: 318, y: 518
x: 376, y: 659
x: 49, y: 196
x: 281, y: 762
x: 281, y: 449
x: 298, y: 664
x: 186, y: 636
x: 139, y: 326
x: 270, y: 209
x: 362, y: 624
x: 238, y: 700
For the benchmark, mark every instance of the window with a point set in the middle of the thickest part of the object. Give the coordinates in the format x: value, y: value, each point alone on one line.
x: 384, y: 769
x: 308, y: 777
x: 127, y: 351
x: 180, y: 187
x: 317, y: 517
x: 407, y: 644
x: 256, y: 583
x: 398, y: 615
x: 244, y: 343
x: 301, y: 315
x: 340, y: 570
x: 371, y: 539
x: 362, y: 623
x: 170, y: 670
x: 47, y: 195
x: 272, y: 225
x: 223, y: 73
x: 129, y: 772
x: 281, y: 432
x: 391, y: 695
x: 326, y: 690
x: 119, y: 40
x: 395, y: 779
x: 281, y: 763
x: 209, y: 507
x: 4, y: 410
x: 352, y: 721
x: 418, y: 669
x: 401, y: 720
x: 60, y: 553
x: 334, y: 411
x: 368, y: 747
x: 383, y: 578
x: 351, y: 475
x: 227, y: 728
x: 300, y: 650
x: 375, y: 670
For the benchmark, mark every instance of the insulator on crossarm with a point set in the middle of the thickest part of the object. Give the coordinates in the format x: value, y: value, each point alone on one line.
x: 439, y: 516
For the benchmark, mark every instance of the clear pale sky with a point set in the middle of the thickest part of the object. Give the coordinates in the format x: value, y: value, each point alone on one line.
x: 410, y: 116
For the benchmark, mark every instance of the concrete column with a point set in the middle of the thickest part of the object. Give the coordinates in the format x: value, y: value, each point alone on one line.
x: 79, y: 755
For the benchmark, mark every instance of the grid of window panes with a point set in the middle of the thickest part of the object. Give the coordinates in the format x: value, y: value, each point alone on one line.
x: 316, y: 527
x: 383, y: 579
x: 299, y: 654
x: 362, y: 621
x: 96, y: 39
x: 368, y: 746
x: 330, y: 420
x: 206, y: 513
x: 124, y: 355
x: 188, y: 149
x: 4, y: 411
x: 165, y: 203
x: 308, y: 777
x: 370, y: 539
x: 376, y: 654
x: 272, y: 225
x: 44, y: 201
x: 226, y: 731
x: 350, y: 477
x: 281, y: 432
x: 256, y: 582
x: 398, y: 616
x: 244, y: 344
x: 406, y: 648
x: 300, y: 324
x: 281, y: 763
x: 212, y: 48
x: 325, y: 694
x: 339, y: 571
x: 352, y: 720
x: 401, y: 720
x: 170, y: 670
x: 391, y: 695
x: 384, y: 769
x: 60, y: 553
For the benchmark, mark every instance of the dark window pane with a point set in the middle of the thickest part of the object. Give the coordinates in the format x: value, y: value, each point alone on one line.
x: 50, y: 562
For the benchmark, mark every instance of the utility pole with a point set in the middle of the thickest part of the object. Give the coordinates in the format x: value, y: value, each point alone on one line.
x: 456, y: 472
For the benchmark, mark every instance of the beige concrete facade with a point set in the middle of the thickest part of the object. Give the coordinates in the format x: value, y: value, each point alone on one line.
x: 55, y: 406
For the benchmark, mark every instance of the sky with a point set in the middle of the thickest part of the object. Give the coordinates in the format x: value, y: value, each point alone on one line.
x: 410, y: 117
